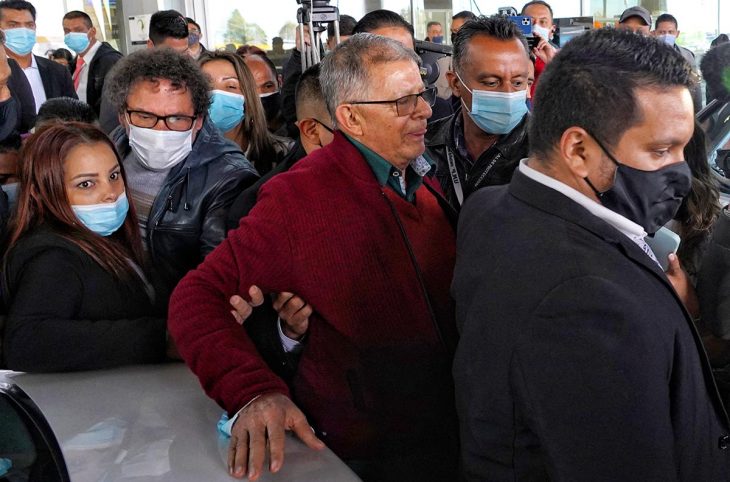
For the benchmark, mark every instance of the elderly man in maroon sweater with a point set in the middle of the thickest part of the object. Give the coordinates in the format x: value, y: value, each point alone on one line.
x: 360, y: 232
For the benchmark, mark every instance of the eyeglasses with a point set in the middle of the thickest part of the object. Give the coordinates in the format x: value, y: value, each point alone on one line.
x: 329, y: 129
x: 147, y: 120
x: 407, y: 104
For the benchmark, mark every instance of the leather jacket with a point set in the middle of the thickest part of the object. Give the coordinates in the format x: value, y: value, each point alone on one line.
x: 494, y: 167
x: 188, y: 216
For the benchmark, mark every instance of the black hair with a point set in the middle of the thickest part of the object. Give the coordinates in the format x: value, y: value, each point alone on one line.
x: 62, y: 53
x: 154, y: 65
x: 719, y: 40
x: 464, y: 15
x: 309, y: 90
x: 665, y: 17
x: 432, y: 23
x: 12, y: 143
x: 347, y: 25
x: 73, y: 14
x: 269, y: 63
x: 17, y: 5
x: 167, y: 24
x: 592, y: 84
x: 65, y: 109
x: 381, y: 18
x: 190, y: 20
x: 537, y: 2
x: 700, y: 208
x: 497, y: 26
x: 715, y: 67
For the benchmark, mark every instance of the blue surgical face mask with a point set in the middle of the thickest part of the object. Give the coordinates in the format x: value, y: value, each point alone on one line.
x: 11, y: 190
x: 104, y: 218
x: 496, y: 112
x: 226, y: 109
x: 20, y: 40
x: 437, y: 39
x: 77, y: 41
x: 541, y: 31
x: 668, y: 39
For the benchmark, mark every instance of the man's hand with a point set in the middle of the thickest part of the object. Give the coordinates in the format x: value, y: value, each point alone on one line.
x: 544, y: 50
x: 683, y: 286
x: 242, y: 309
x: 307, y: 38
x: 295, y: 313
x: 292, y: 310
x: 269, y: 415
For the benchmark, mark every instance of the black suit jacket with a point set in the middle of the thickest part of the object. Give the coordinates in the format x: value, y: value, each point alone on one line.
x: 577, y: 360
x: 56, y: 79
x: 101, y: 64
x: 23, y: 94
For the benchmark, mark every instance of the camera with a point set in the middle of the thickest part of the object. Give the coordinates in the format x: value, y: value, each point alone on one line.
x: 315, y: 14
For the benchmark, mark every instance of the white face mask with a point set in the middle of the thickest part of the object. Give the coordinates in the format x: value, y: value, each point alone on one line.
x: 541, y: 31
x: 160, y: 150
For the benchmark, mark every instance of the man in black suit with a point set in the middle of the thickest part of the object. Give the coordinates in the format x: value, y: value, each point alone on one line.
x: 94, y: 61
x: 46, y: 78
x: 578, y: 359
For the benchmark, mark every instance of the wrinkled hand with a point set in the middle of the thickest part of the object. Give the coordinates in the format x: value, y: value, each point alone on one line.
x: 294, y: 312
x: 242, y: 309
x: 544, y: 50
x: 271, y: 414
x: 683, y: 286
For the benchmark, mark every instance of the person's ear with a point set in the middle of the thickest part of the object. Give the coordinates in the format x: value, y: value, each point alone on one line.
x: 677, y: 36
x: 92, y: 32
x: 454, y: 83
x: 578, y: 151
x: 349, y: 119
x: 150, y: 45
x: 308, y: 130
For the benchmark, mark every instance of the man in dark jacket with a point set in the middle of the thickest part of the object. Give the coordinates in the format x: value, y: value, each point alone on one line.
x: 577, y: 358
x: 94, y: 61
x: 45, y: 78
x: 181, y: 172
x: 481, y: 144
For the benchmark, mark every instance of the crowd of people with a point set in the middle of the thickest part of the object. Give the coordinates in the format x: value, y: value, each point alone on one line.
x: 462, y: 281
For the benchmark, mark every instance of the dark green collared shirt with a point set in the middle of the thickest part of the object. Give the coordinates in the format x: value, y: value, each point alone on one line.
x: 387, y: 174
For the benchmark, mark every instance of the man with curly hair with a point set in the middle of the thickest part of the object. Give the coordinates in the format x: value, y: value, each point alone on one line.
x: 182, y: 174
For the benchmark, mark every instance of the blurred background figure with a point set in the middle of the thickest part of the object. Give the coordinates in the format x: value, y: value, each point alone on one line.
x: 195, y: 34
x: 63, y: 57
x: 434, y: 32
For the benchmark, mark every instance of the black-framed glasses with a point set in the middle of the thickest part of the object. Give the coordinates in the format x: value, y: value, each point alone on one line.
x: 147, y: 120
x: 328, y: 128
x: 407, y: 104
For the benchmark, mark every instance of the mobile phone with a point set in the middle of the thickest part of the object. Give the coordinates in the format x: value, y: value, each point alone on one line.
x: 664, y: 242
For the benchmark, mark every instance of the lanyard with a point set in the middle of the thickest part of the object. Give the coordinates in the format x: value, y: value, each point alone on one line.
x: 454, y: 174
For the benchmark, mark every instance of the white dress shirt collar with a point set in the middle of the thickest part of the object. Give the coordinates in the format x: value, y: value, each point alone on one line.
x: 623, y: 224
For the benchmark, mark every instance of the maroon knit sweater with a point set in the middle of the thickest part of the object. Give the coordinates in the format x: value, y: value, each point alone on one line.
x: 374, y: 374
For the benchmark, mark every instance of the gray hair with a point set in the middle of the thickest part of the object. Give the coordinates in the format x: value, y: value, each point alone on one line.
x: 345, y: 74
x: 156, y: 64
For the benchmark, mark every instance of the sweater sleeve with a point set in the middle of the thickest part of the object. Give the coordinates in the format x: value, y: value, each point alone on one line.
x: 43, y: 332
x: 215, y: 347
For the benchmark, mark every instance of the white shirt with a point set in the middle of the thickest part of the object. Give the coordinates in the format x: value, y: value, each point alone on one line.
x: 36, y: 83
x: 84, y: 74
x: 629, y: 228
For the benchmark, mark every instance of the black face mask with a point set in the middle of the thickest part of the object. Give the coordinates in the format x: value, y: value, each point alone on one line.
x: 648, y: 198
x: 272, y: 105
x: 453, y: 37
